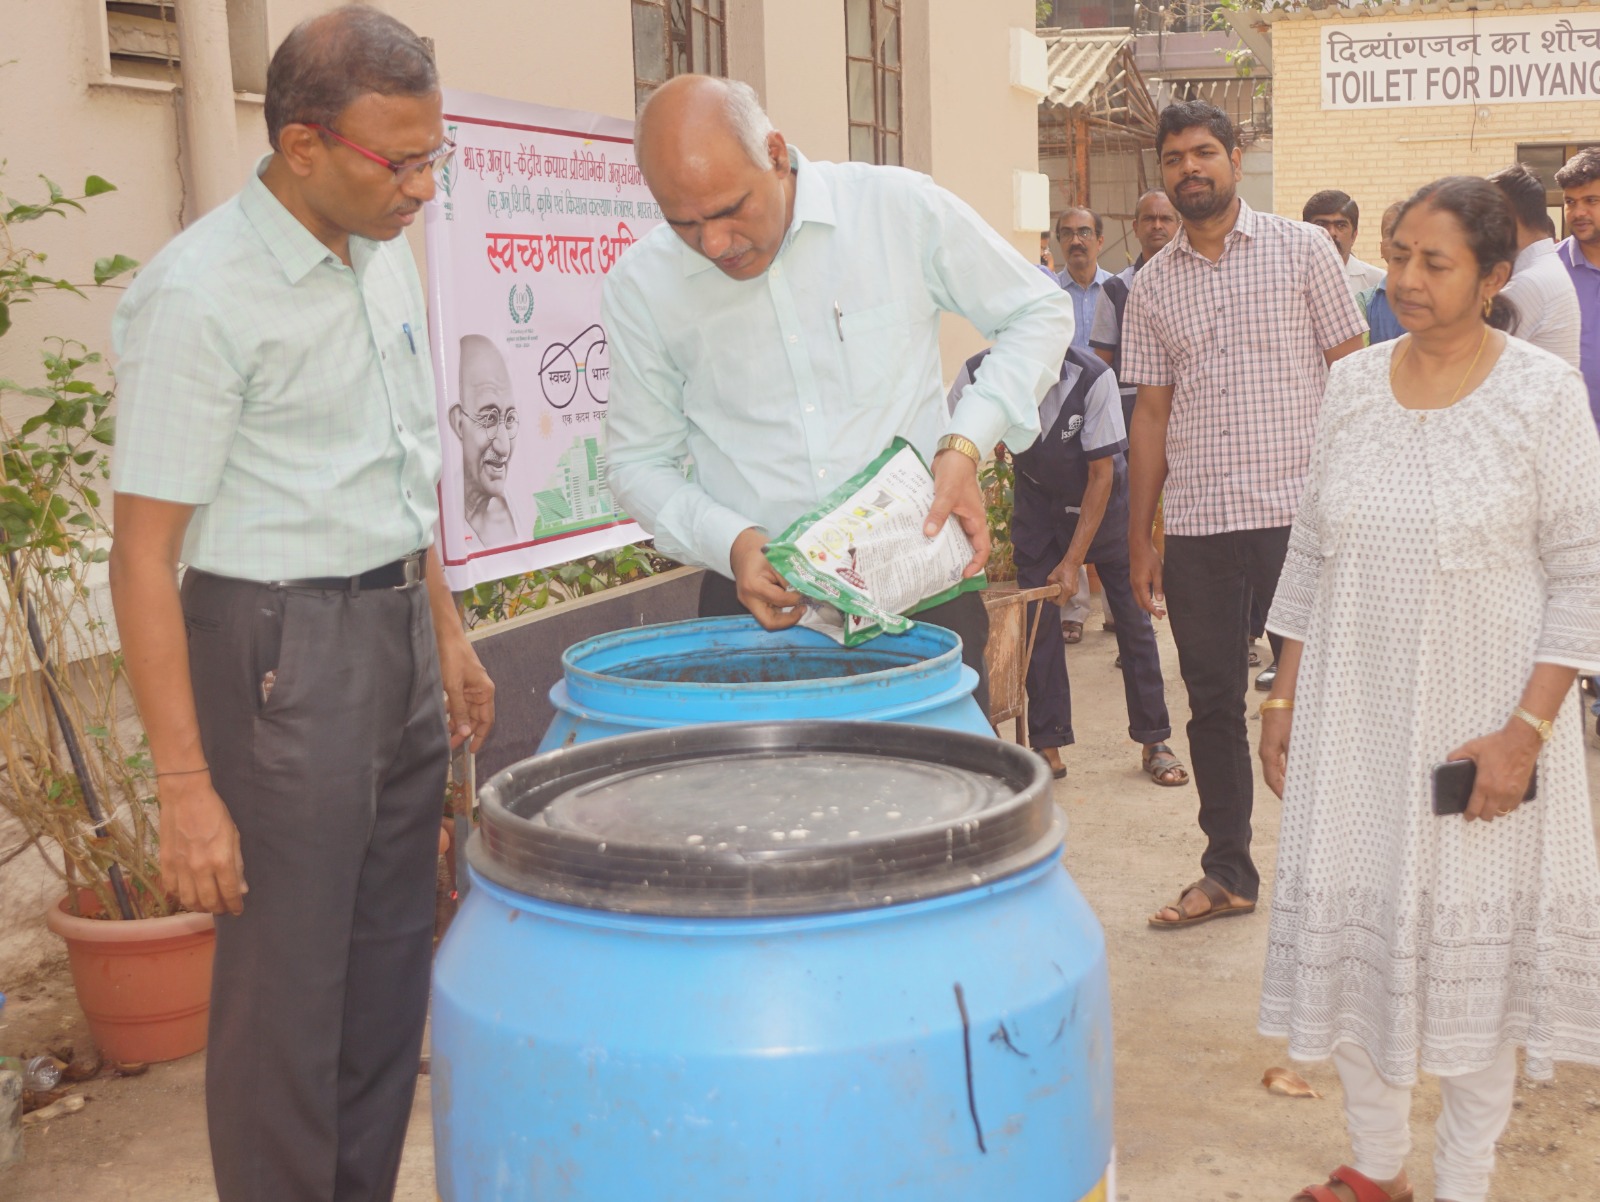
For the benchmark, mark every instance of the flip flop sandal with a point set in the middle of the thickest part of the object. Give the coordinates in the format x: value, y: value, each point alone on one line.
x: 1072, y: 632
x: 1221, y: 907
x: 1158, y: 760
x: 1363, y: 1187
x: 1254, y: 658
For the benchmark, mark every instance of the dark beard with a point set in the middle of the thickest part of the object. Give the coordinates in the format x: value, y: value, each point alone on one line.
x: 1205, y: 205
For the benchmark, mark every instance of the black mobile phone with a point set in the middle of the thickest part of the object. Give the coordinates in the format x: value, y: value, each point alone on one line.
x: 1453, y: 781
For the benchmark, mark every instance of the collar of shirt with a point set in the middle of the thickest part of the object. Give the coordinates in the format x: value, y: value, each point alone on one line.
x: 1244, y: 226
x: 1532, y: 253
x: 1101, y: 275
x: 812, y: 202
x: 296, y: 248
x: 1572, y: 255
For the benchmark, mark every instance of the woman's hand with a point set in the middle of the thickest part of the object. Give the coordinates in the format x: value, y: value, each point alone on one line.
x: 1505, y: 761
x: 1274, y: 749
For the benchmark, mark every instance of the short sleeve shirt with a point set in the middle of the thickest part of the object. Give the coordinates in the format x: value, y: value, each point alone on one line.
x: 286, y: 396
x: 1241, y: 343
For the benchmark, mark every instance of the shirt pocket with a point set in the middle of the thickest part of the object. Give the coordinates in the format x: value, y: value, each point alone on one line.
x: 877, y: 342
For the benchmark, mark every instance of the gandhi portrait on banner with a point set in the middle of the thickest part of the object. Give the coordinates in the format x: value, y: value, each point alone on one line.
x: 484, y: 419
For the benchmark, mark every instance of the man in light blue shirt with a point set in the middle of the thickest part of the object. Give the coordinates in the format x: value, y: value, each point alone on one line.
x: 1081, y: 236
x: 782, y: 328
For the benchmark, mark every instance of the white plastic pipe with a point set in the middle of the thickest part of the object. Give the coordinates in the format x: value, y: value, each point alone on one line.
x: 210, y: 129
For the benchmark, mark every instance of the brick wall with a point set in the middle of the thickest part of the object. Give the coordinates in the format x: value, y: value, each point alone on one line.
x: 1380, y: 156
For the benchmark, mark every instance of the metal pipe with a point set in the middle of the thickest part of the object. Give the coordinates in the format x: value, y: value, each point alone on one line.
x: 69, y: 736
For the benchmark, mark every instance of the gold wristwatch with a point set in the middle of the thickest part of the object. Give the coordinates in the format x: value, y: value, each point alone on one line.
x: 1542, y: 725
x: 955, y: 442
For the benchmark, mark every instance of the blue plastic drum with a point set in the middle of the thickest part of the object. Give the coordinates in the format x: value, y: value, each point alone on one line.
x: 731, y: 670
x: 778, y: 962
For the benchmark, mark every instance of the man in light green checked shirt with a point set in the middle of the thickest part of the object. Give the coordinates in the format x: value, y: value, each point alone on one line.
x: 277, y: 434
x: 782, y: 327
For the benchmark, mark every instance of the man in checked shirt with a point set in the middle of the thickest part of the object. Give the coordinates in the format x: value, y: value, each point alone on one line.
x: 1228, y: 332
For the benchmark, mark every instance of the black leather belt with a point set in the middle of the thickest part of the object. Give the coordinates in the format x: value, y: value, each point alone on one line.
x: 402, y: 573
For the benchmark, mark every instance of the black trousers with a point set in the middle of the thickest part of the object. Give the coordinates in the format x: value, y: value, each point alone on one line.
x: 965, y: 616
x: 336, y: 782
x: 1209, y: 580
x: 1049, y: 687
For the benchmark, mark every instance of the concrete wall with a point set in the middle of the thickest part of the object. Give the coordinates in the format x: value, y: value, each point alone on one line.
x: 965, y: 125
x: 1380, y: 156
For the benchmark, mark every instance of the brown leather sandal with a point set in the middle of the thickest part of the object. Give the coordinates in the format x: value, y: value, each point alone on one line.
x: 1221, y: 907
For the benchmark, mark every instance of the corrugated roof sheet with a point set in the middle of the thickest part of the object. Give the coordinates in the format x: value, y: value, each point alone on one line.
x: 1080, y: 60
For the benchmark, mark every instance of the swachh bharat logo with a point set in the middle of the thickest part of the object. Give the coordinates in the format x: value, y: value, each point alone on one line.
x: 520, y: 302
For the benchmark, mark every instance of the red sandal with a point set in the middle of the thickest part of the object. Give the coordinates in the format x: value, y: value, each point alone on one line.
x: 1363, y: 1187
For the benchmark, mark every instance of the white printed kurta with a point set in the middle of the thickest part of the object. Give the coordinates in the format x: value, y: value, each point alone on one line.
x: 1435, y: 558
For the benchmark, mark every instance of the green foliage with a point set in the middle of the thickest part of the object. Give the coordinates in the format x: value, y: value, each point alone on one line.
x: 998, y: 478
x: 497, y: 600
x: 53, y: 467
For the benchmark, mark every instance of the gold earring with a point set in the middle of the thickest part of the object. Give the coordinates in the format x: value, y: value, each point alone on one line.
x: 1488, y: 307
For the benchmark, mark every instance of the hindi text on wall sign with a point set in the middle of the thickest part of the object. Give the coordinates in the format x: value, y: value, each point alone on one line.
x: 1519, y: 59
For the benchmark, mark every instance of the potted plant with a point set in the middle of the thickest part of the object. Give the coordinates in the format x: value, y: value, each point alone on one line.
x: 80, y: 787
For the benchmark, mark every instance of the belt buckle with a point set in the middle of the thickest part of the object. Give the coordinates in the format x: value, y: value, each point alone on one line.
x: 416, y: 568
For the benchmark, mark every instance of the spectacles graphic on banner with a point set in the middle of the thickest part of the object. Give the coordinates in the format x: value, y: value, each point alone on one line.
x: 586, y: 359
x: 492, y: 419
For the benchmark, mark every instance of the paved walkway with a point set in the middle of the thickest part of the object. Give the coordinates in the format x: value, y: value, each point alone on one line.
x: 1193, y: 1121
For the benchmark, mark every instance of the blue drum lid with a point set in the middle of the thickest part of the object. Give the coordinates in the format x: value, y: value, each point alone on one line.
x: 737, y: 820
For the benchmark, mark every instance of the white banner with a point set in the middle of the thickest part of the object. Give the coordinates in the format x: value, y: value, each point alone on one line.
x: 1489, y: 59
x: 537, y: 207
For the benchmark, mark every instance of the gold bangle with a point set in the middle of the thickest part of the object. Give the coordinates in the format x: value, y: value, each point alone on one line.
x: 1277, y: 703
x: 955, y: 442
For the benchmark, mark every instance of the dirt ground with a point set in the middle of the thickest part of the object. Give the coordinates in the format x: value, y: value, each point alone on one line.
x: 1193, y: 1121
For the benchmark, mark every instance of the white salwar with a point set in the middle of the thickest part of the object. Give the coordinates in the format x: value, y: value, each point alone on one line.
x: 1436, y: 557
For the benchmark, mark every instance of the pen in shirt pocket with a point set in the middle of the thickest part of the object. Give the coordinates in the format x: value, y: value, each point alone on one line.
x: 838, y: 320
x: 406, y: 326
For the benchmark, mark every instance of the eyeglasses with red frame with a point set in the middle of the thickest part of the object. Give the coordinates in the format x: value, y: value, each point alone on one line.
x: 404, y: 173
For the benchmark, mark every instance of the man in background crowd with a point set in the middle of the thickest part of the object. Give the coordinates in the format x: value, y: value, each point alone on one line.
x: 1224, y: 420
x: 1081, y: 235
x: 1540, y: 289
x: 1579, y: 182
x: 1071, y: 508
x: 1340, y: 218
x: 1382, y: 325
x: 1155, y: 222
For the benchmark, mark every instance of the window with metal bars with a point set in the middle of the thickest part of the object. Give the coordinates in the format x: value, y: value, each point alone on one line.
x: 872, y: 65
x: 676, y: 37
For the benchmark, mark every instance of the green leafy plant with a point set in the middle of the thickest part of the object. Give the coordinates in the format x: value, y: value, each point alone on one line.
x: 69, y: 778
x: 998, y: 478
x: 497, y: 600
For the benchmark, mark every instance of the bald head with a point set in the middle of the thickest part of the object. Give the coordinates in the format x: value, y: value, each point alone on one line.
x: 697, y: 108
x: 719, y: 171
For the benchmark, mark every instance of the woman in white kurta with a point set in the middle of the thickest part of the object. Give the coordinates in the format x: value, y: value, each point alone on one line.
x: 1440, y: 594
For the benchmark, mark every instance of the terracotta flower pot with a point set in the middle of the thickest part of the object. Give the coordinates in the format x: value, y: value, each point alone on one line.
x: 144, y: 984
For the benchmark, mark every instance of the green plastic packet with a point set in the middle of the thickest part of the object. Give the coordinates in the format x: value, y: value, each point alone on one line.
x: 860, y: 558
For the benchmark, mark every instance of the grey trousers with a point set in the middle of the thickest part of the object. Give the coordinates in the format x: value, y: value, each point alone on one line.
x: 336, y: 781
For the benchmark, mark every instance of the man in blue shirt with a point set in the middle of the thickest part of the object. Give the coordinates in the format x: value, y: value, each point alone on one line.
x: 1381, y: 321
x: 1579, y: 180
x: 1081, y: 235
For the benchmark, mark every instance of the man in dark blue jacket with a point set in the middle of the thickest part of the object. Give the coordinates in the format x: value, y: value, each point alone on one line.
x: 1071, y: 508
